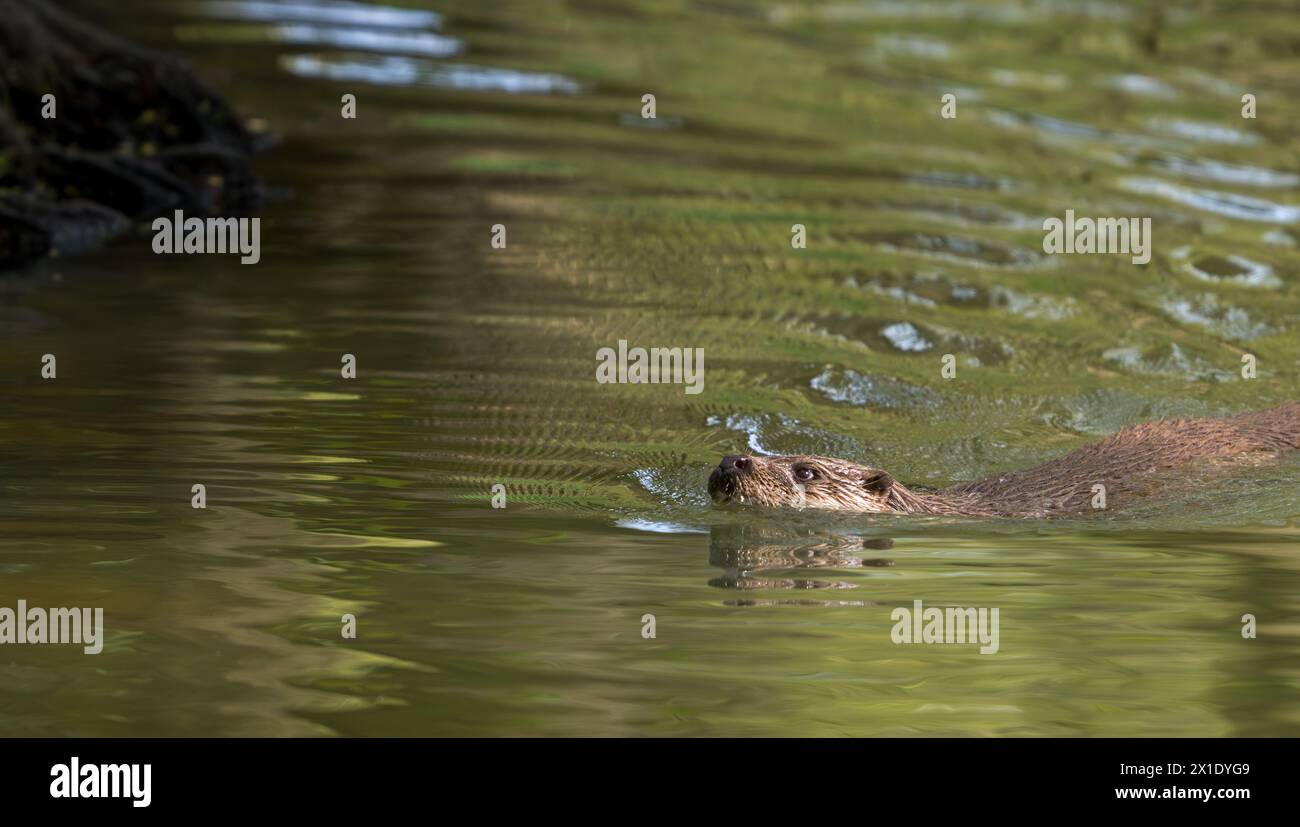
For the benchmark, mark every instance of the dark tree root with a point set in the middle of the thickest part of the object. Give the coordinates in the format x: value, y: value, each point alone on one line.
x: 136, y: 136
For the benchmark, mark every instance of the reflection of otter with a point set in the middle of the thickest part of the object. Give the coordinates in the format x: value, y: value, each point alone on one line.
x: 743, y: 552
x: 1127, y: 463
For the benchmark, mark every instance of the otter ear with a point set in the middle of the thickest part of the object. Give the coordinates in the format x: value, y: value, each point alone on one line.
x: 878, y: 482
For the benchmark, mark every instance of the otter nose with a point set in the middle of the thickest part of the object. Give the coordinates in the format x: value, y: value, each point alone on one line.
x: 737, y: 463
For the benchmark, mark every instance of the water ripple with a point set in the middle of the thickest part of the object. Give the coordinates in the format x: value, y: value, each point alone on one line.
x: 401, y: 71
x: 337, y: 12
x: 1223, y: 203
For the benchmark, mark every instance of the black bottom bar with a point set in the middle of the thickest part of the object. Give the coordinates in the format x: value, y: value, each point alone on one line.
x: 374, y: 777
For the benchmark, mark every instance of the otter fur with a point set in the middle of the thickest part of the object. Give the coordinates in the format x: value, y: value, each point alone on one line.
x: 1129, y: 463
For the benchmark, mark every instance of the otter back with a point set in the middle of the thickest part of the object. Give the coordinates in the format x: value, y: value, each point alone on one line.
x: 1130, y: 462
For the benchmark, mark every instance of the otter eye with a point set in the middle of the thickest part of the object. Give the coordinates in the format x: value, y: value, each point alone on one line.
x: 803, y: 472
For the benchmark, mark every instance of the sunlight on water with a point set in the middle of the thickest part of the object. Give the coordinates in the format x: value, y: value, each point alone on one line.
x: 402, y: 71
x: 324, y: 11
x: 419, y: 43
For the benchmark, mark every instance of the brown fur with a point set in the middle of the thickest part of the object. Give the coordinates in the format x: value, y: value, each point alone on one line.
x: 1129, y: 463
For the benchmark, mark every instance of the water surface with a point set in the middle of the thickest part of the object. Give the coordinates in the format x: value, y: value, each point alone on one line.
x: 477, y: 367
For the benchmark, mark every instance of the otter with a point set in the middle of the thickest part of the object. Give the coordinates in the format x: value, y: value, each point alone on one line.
x: 1129, y: 463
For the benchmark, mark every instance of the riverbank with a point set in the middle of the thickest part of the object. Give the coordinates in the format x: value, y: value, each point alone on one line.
x: 98, y: 134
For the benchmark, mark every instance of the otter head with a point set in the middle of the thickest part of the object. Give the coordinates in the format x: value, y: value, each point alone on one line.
x: 803, y: 482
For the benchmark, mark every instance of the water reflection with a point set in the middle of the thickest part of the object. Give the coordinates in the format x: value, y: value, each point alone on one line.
x: 402, y: 71
x: 1228, y: 204
x: 1208, y: 169
x: 762, y: 557
x: 335, y: 12
x: 427, y: 44
x: 380, y: 45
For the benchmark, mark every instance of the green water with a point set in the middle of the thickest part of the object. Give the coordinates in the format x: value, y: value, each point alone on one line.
x: 476, y: 366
